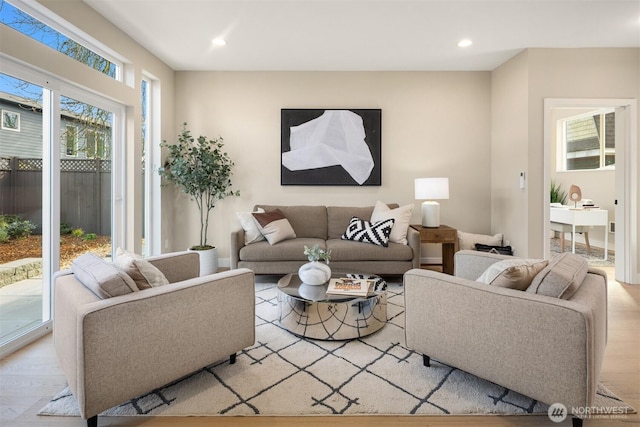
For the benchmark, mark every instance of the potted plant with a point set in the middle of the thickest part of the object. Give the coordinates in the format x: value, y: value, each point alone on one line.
x: 315, y: 272
x: 202, y: 169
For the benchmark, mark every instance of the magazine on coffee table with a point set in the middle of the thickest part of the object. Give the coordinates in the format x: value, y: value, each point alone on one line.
x: 349, y: 286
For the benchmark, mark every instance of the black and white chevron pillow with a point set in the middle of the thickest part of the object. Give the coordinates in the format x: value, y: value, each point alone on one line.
x: 367, y: 232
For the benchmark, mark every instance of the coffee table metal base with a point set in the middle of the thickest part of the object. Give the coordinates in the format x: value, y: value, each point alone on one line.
x: 333, y: 320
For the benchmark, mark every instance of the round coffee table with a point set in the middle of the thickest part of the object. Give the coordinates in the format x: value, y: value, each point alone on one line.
x: 310, y: 312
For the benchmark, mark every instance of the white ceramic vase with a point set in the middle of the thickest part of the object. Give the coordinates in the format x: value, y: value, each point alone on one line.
x: 314, y: 273
x: 312, y: 293
x: 208, y: 261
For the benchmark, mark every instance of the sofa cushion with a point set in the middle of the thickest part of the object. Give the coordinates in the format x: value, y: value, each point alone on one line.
x: 468, y: 240
x: 348, y: 250
x: 516, y: 273
x: 562, y: 277
x: 401, y: 215
x: 363, y: 231
x: 340, y: 216
x: 250, y: 226
x: 103, y: 279
x: 274, y: 226
x: 306, y: 221
x: 287, y: 250
x: 143, y: 273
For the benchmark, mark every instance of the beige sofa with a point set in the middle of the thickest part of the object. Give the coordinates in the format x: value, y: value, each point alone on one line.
x: 550, y: 349
x: 324, y: 225
x: 114, y: 349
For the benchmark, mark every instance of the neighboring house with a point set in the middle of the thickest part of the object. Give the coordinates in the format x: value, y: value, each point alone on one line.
x: 21, y: 132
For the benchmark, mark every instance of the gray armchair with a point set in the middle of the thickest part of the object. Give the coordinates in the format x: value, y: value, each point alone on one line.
x: 112, y: 350
x: 547, y: 348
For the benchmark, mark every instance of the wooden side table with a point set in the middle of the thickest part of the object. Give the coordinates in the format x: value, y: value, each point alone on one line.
x: 445, y: 235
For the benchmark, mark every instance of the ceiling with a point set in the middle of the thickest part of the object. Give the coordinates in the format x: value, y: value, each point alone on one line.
x: 366, y: 34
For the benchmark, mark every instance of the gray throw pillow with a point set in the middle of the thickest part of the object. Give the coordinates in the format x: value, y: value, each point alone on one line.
x: 102, y: 278
x: 562, y: 277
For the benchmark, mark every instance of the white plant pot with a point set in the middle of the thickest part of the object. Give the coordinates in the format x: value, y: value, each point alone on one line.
x: 208, y: 261
x: 314, y: 273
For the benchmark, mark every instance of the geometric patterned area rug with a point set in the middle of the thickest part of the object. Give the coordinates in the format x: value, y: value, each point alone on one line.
x: 283, y: 374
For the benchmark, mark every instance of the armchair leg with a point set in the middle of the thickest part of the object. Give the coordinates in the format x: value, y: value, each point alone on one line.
x: 576, y: 422
x: 426, y: 360
x: 232, y: 359
x: 93, y: 421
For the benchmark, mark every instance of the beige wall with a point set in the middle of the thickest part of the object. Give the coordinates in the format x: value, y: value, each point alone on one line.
x: 433, y: 124
x: 549, y: 73
x: 509, y: 138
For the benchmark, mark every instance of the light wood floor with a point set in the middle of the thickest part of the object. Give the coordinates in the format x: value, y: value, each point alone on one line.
x: 31, y: 376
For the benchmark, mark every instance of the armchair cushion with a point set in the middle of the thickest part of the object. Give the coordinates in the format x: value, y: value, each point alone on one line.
x: 562, y: 277
x: 145, y: 274
x: 513, y: 273
x: 102, y: 278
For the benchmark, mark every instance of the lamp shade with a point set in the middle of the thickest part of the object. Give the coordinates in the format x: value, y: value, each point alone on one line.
x: 431, y: 188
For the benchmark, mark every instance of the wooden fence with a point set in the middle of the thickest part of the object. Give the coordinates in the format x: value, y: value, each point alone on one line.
x: 85, y: 192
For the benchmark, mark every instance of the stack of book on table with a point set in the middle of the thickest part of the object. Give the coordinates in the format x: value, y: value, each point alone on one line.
x: 349, y: 286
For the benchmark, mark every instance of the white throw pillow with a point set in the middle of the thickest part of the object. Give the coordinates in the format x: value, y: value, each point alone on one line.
x: 401, y: 215
x: 513, y: 273
x: 252, y: 233
x: 145, y: 274
x: 468, y: 240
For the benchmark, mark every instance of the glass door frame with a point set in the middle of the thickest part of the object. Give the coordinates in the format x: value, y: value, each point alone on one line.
x: 53, y: 88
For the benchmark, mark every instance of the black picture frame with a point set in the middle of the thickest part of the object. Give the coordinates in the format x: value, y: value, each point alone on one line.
x: 336, y: 174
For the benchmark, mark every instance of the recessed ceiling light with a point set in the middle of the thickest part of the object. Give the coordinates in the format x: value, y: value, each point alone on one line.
x: 219, y: 42
x: 465, y: 43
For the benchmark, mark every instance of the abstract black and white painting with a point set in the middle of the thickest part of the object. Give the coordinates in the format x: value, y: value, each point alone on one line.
x: 331, y: 147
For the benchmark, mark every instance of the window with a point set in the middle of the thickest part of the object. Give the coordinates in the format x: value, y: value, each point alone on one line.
x: 10, y: 120
x: 588, y: 141
x: 95, y: 144
x: 31, y: 26
x: 71, y: 140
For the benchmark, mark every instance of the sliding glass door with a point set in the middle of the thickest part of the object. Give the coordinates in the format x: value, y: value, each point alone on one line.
x: 61, y: 192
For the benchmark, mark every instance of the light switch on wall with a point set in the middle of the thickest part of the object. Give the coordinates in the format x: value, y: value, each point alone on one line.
x: 522, y: 180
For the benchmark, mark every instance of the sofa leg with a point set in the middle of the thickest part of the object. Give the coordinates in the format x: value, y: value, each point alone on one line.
x: 576, y: 422
x: 426, y: 360
x: 232, y: 359
x: 93, y: 421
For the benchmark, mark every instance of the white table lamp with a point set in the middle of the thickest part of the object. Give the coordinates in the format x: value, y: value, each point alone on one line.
x: 431, y: 189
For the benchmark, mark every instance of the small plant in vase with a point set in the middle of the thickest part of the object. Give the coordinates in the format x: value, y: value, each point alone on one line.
x: 315, y: 272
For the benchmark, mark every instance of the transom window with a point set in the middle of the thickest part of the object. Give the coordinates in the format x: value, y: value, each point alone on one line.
x: 38, y: 30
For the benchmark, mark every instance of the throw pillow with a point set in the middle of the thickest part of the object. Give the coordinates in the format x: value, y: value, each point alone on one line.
x: 401, y: 215
x: 103, y: 279
x: 502, y: 250
x: 514, y: 273
x: 250, y: 226
x: 562, y: 277
x: 363, y: 231
x: 274, y: 226
x: 469, y: 240
x: 145, y: 274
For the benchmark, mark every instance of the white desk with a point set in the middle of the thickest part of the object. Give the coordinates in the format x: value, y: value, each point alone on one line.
x: 582, y: 217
